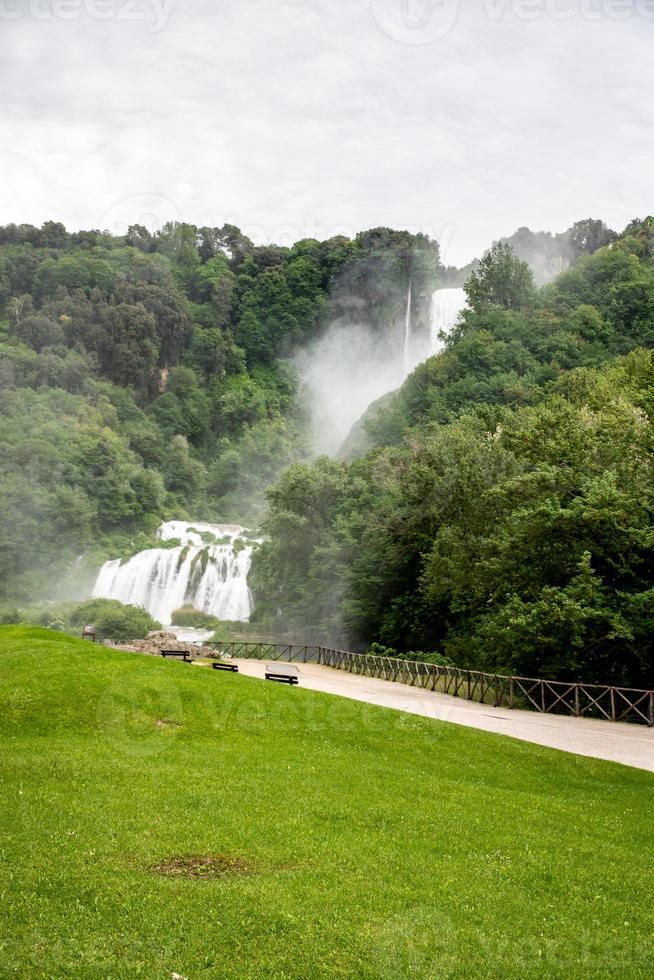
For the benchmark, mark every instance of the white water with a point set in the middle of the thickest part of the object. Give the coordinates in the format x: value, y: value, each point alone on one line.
x: 352, y: 365
x: 345, y: 370
x: 446, y: 305
x: 190, y: 634
x: 407, y: 331
x: 162, y: 580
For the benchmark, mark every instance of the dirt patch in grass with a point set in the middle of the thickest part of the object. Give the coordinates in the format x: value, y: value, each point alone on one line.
x: 167, y: 723
x: 202, y: 866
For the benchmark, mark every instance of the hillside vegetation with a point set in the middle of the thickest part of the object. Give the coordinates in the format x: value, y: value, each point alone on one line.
x: 503, y: 512
x: 498, y: 512
x: 152, y: 375
x: 158, y: 818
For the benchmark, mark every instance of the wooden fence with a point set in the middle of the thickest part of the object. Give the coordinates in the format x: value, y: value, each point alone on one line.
x: 559, y: 697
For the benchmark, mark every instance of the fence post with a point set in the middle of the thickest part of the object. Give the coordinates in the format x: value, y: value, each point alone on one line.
x: 650, y: 710
x: 510, y: 692
x: 577, y: 704
x: 612, y: 704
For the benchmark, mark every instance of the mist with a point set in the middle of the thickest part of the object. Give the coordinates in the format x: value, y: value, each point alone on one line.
x: 349, y: 367
x: 353, y: 364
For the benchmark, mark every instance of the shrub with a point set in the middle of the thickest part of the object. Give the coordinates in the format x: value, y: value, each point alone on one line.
x: 113, y: 620
x: 188, y: 616
x: 10, y: 615
x: 377, y: 650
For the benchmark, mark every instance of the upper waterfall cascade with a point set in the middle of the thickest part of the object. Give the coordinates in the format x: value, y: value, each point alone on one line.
x: 352, y: 365
x: 446, y: 305
x: 207, y: 570
x: 407, y: 329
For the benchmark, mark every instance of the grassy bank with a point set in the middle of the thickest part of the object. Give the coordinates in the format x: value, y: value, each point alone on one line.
x: 160, y: 818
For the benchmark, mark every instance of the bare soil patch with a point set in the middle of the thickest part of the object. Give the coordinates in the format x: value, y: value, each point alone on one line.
x: 202, y: 866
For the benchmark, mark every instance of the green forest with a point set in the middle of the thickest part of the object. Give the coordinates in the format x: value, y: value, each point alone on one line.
x: 502, y: 515
x: 494, y: 512
x: 151, y: 376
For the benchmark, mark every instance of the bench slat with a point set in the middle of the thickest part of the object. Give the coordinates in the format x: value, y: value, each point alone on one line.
x: 177, y: 653
x: 284, y: 674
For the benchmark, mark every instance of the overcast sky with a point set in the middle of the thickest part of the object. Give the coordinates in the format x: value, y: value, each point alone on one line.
x: 317, y: 117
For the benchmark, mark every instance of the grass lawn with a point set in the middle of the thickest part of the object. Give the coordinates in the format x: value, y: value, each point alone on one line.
x: 158, y: 817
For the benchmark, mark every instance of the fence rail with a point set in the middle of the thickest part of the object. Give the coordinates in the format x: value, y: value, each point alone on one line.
x: 557, y: 697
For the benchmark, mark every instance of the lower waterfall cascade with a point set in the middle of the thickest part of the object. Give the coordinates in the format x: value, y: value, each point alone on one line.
x: 207, y: 570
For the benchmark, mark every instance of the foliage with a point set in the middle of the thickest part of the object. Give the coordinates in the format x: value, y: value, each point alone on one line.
x: 501, y: 280
x: 419, y: 656
x: 150, y: 375
x: 188, y: 616
x: 504, y: 515
x: 113, y: 620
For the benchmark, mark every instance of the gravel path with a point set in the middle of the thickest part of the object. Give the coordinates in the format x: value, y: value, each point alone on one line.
x: 631, y: 745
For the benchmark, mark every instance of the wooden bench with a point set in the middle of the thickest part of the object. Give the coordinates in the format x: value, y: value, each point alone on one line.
x: 222, y: 665
x: 282, y: 673
x: 183, y: 654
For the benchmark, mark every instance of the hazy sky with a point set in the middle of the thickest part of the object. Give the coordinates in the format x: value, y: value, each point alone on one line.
x: 317, y: 117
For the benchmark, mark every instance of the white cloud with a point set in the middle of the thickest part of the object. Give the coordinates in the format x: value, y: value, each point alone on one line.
x: 295, y: 118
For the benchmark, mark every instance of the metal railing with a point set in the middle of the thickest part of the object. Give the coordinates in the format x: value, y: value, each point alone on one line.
x: 501, y: 691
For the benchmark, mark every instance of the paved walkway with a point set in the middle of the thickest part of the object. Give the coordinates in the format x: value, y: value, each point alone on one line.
x: 632, y: 745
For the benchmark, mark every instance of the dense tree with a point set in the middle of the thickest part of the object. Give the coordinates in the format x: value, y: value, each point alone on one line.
x: 78, y: 271
x: 500, y: 280
x: 590, y: 235
x: 129, y: 350
x: 37, y: 331
x: 171, y: 318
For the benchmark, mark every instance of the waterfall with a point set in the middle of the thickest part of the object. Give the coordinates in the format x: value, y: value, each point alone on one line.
x: 206, y: 570
x: 407, y: 331
x: 351, y: 365
x: 446, y: 305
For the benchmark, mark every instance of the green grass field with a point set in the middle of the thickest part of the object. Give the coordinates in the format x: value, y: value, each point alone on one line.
x: 159, y: 818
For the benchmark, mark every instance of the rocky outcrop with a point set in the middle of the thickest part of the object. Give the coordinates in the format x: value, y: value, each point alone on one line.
x: 160, y: 640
